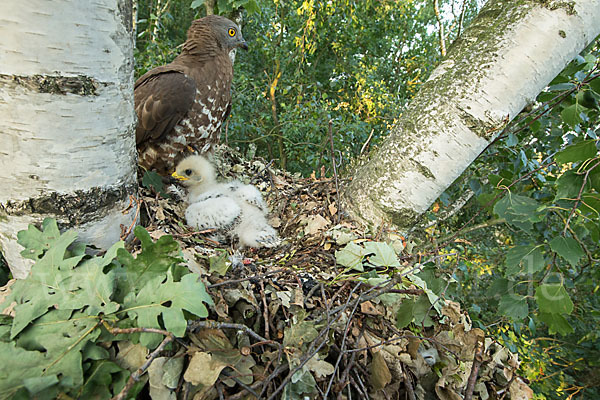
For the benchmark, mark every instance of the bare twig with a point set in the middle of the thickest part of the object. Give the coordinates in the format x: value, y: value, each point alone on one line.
x: 477, y: 360
x: 234, y: 281
x: 337, y: 189
x: 126, y: 232
x: 408, y: 384
x: 194, y: 325
x: 578, y: 199
x: 265, y: 308
x: 117, y: 331
x: 436, y: 10
x: 366, y: 144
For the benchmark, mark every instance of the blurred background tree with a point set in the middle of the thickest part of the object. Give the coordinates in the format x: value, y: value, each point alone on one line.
x: 525, y: 215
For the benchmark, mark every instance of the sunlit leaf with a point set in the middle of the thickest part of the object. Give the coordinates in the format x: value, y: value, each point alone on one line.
x: 567, y: 248
x: 557, y: 323
x: 554, y: 299
x: 514, y: 306
x: 577, y: 152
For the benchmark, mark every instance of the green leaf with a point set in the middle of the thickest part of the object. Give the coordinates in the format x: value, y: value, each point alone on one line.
x: 167, y: 299
x: 595, y: 85
x: 514, y: 306
x: 405, y: 313
x: 568, y: 185
x: 154, y: 261
x: 61, y: 283
x: 557, y: 323
x: 594, y: 178
x: 524, y: 259
x: 422, y: 311
x: 219, y: 263
x: 101, y: 378
x: 48, y: 284
x: 252, y: 7
x: 553, y: 299
x: 197, y: 3
x: 383, y: 254
x: 25, y: 367
x: 37, y: 384
x: 519, y: 211
x: 153, y: 181
x: 62, y: 337
x: 577, y: 152
x: 36, y: 242
x: 570, y: 115
x: 300, y: 334
x: 351, y: 256
x: 567, y: 248
x: 590, y: 203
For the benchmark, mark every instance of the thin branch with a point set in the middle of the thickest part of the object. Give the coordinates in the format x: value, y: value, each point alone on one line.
x: 477, y: 360
x: 438, y: 17
x: 234, y: 281
x: 337, y: 189
x: 578, y: 199
x: 194, y: 325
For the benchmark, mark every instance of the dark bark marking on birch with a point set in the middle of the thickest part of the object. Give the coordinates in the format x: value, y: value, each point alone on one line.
x: 77, y: 208
x: 54, y: 84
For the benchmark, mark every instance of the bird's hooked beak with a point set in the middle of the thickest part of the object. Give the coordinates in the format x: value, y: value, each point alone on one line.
x: 243, y: 45
x: 179, y: 177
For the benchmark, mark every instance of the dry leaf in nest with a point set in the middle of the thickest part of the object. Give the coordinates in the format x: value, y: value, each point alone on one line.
x: 520, y: 391
x: 380, y: 373
x: 368, y: 308
x: 332, y: 209
x: 203, y: 369
x: 452, y: 310
x: 315, y: 223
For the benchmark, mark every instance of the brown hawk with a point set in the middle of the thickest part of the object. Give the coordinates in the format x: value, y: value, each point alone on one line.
x: 183, y: 104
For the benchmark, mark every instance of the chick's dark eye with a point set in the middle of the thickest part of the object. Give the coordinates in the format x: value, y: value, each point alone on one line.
x: 231, y: 32
x: 188, y: 172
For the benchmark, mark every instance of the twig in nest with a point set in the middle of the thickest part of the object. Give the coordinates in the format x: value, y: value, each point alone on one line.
x: 133, y: 378
x: 477, y: 360
x: 126, y: 232
x: 408, y: 384
x: 343, y: 351
x: 117, y: 331
x: 234, y: 281
x: 337, y: 189
x: 184, y: 235
x: 242, y: 384
x: 265, y: 308
x: 194, y: 325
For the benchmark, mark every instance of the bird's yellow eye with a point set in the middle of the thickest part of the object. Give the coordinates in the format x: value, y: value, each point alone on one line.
x: 231, y: 32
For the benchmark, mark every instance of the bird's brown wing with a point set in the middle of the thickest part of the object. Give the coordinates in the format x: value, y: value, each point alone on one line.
x: 162, y: 98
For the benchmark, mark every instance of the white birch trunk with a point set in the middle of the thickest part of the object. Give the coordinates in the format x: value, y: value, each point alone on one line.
x: 67, y: 123
x: 502, y: 61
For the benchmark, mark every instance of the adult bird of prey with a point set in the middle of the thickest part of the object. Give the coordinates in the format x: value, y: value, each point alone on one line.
x: 181, y: 106
x: 235, y: 210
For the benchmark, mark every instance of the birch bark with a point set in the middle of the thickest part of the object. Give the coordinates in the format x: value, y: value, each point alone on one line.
x: 509, y: 53
x: 67, y: 123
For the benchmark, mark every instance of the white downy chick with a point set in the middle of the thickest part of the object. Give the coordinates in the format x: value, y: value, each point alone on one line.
x: 233, y: 208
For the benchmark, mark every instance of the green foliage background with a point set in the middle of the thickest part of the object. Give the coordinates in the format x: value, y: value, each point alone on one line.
x: 527, y: 242
x: 528, y: 237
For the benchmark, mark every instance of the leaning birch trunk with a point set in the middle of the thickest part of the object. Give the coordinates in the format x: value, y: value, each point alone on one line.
x: 510, y: 52
x: 67, y: 124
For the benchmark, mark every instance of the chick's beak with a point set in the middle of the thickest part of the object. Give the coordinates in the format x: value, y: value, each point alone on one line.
x: 179, y: 177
